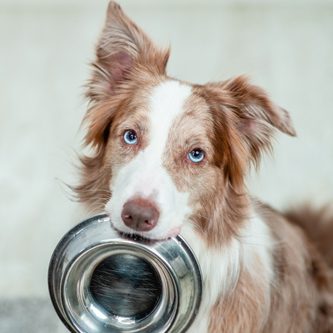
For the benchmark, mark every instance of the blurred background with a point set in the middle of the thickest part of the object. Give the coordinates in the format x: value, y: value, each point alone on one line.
x: 286, y: 46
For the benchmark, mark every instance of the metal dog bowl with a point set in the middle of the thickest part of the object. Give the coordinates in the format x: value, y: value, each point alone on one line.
x: 101, y: 282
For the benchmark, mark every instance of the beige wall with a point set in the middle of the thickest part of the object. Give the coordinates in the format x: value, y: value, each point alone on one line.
x: 287, y: 47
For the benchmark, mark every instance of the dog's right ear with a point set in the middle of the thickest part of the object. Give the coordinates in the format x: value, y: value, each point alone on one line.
x: 122, y: 47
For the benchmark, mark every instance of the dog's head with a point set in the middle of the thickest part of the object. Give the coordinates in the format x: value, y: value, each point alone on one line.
x: 168, y: 153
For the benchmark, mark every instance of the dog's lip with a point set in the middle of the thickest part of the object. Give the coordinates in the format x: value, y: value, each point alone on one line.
x: 138, y: 237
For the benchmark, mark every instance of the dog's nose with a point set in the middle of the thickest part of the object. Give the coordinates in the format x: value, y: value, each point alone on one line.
x: 140, y: 214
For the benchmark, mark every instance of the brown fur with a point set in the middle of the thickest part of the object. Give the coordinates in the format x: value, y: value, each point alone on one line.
x: 235, y: 122
x: 243, y: 309
x: 301, y: 297
x: 318, y: 225
x: 206, y: 181
x: 302, y: 292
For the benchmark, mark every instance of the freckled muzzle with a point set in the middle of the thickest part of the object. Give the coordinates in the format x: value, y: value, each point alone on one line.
x: 102, y: 283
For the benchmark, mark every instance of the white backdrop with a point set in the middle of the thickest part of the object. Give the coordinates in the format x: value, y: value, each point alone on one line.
x: 287, y: 47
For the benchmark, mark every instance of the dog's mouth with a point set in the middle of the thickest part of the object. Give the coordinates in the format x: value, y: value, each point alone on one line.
x: 133, y: 236
x: 136, y: 237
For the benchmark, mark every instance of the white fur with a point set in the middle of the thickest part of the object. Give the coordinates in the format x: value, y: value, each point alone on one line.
x: 221, y: 267
x: 257, y: 242
x: 145, y: 175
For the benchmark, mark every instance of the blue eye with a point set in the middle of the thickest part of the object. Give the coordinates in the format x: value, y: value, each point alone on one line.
x: 130, y: 137
x: 196, y: 155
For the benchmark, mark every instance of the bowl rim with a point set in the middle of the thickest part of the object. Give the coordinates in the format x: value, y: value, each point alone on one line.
x: 57, y: 262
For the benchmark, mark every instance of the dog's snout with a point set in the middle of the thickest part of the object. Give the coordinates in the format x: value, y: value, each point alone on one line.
x: 140, y: 214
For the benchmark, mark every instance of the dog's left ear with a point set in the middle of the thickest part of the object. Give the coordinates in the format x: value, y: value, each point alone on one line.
x: 257, y: 115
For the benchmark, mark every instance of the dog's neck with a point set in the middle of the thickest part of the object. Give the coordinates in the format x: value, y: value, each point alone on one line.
x: 247, y: 253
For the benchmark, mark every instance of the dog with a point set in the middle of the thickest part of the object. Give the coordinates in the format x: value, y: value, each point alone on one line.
x: 170, y: 158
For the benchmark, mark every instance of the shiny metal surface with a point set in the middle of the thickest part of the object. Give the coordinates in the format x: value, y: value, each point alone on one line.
x: 101, y: 282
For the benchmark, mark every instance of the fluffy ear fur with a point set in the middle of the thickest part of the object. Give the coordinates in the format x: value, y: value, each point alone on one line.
x: 122, y: 48
x: 256, y: 114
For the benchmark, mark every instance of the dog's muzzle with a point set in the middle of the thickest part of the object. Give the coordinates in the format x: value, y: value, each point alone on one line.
x: 99, y: 283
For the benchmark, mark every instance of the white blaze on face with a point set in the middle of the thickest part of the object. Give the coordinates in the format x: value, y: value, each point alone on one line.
x: 145, y: 176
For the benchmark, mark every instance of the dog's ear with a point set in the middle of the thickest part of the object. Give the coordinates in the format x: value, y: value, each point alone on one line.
x: 122, y: 48
x: 256, y: 115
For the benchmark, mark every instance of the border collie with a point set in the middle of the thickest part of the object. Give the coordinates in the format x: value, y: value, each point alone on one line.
x: 170, y: 157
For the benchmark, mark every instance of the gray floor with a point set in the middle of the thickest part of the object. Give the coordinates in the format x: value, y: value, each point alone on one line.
x: 29, y: 316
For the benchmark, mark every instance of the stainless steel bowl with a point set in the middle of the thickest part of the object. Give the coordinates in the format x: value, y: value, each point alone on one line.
x: 102, y: 282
